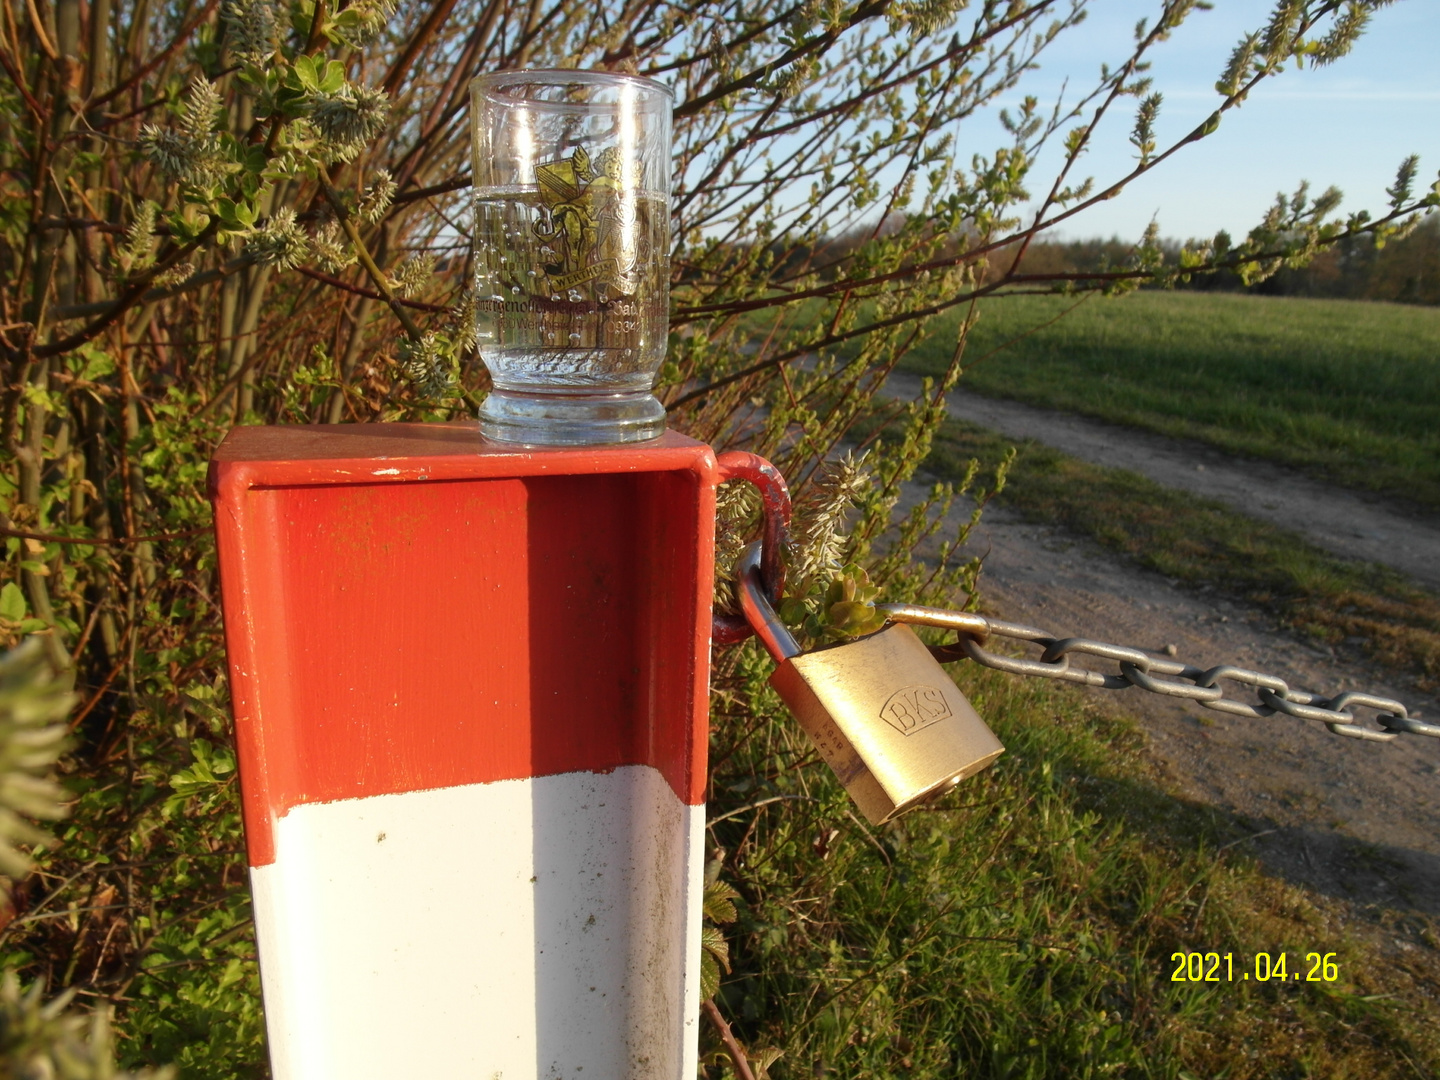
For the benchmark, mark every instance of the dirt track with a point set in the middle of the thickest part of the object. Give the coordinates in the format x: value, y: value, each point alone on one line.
x: 1353, y: 524
x: 1356, y: 821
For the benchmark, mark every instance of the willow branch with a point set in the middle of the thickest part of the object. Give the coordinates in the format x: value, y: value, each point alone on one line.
x: 360, y: 290
x: 128, y: 299
x: 817, y: 44
x: 102, y: 541
x: 38, y: 25
x: 377, y: 276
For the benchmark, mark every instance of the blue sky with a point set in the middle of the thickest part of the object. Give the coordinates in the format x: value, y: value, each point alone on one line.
x: 1348, y: 125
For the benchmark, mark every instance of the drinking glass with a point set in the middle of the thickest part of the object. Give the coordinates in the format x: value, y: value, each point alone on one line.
x: 572, y: 253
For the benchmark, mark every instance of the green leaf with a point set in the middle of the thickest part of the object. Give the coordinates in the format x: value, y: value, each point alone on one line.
x: 762, y: 1059
x: 713, y: 942
x: 1209, y: 127
x: 188, y: 224
x: 342, y: 29
x: 238, y: 217
x: 97, y: 362
x: 709, y: 976
x: 212, y: 769
x: 719, y: 903
x: 302, y: 17
x: 793, y: 610
x: 334, y: 77
x: 307, y: 75
x: 12, y: 602
x: 854, y: 619
x: 849, y: 606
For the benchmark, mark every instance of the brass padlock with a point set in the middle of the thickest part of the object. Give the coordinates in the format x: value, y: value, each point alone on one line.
x: 885, y: 716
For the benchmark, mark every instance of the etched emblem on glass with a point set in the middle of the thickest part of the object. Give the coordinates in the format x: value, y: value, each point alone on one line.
x: 572, y: 266
x: 588, y: 221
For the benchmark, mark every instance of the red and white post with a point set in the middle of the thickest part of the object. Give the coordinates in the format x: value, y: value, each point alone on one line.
x: 469, y: 685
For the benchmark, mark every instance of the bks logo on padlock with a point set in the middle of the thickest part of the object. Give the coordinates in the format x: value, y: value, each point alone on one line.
x: 914, y: 708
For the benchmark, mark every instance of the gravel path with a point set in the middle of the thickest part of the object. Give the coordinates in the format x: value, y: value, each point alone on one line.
x: 1348, y: 523
x: 1356, y: 821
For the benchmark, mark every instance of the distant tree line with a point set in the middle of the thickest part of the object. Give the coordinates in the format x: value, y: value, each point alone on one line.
x: 1405, y: 271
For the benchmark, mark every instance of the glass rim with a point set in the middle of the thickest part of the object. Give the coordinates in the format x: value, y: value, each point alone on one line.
x: 496, y: 80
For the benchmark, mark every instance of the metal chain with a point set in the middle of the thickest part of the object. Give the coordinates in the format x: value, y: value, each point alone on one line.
x: 1159, y: 675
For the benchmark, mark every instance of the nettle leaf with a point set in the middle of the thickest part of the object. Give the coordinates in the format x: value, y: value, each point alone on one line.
x: 714, y: 944
x: 47, y: 399
x: 719, y: 903
x: 95, y: 364
x: 709, y: 976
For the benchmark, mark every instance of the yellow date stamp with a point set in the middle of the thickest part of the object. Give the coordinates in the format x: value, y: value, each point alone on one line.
x: 1253, y: 967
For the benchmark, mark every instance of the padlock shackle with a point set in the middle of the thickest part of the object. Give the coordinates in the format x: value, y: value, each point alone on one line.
x: 775, y: 504
x: 759, y: 612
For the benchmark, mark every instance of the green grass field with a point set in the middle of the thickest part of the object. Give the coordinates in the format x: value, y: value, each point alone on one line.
x: 1024, y: 927
x: 1349, y: 391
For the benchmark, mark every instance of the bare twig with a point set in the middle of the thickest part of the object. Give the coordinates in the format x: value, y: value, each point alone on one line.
x: 102, y: 541
x: 732, y: 1045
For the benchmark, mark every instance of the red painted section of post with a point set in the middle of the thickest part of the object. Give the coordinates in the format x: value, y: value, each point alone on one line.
x: 410, y: 607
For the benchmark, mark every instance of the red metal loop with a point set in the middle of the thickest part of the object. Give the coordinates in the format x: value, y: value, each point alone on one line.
x: 775, y: 501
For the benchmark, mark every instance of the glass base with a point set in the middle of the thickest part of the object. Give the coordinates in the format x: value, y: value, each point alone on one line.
x: 571, y: 419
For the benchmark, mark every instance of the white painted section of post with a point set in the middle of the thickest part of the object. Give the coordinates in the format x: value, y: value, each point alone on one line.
x: 517, y: 930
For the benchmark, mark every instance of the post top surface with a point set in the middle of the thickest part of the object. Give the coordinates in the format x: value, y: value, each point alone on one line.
x: 315, y: 442
x: 356, y: 453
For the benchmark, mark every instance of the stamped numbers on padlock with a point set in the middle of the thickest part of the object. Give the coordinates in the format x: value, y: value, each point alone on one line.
x: 882, y: 712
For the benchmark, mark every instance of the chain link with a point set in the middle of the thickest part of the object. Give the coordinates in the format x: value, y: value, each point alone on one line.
x: 1158, y: 675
